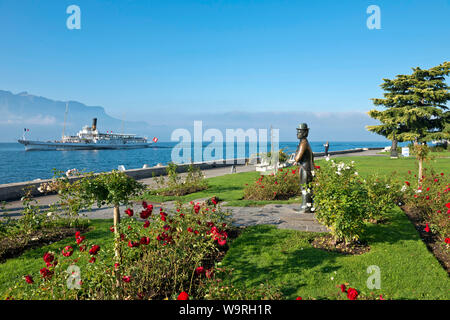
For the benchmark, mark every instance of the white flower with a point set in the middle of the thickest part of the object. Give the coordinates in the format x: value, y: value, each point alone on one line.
x: 418, y: 190
x: 327, y: 158
x: 313, y: 209
x: 309, y: 204
x: 403, y: 189
x: 338, y: 173
x: 49, y: 214
x: 332, y: 278
x: 40, y: 189
x: 356, y: 173
x: 388, y: 186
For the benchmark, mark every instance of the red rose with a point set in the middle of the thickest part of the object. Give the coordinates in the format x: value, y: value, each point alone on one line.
x: 199, y: 270
x: 133, y: 244
x: 196, y: 208
x: 298, y: 298
x: 447, y: 240
x: 48, y: 257
x: 67, y: 251
x: 129, y: 212
x: 77, y: 234
x: 92, y: 260
x: 94, y: 250
x: 144, y: 204
x: 183, y: 296
x: 407, y: 183
x: 111, y: 229
x: 145, y: 240
x: 146, y: 224
x: 29, y: 279
x: 80, y: 239
x: 352, y: 294
x: 343, y: 288
x: 83, y: 247
x: 447, y: 205
x: 145, y: 214
x: 45, y: 273
x: 214, y: 200
x: 221, y: 242
x: 126, y: 279
x: 427, y: 228
x: 190, y: 229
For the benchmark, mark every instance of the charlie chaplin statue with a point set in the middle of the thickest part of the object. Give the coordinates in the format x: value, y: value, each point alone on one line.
x: 304, y: 158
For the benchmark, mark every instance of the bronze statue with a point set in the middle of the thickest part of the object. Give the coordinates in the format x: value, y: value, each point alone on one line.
x: 304, y: 158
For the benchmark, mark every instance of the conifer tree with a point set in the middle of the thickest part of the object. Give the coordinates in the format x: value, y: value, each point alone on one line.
x: 415, y: 107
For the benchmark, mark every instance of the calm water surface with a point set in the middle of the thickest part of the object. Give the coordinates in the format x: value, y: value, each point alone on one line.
x: 18, y: 165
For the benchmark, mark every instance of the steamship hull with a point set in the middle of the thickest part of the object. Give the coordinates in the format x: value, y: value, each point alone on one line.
x: 41, y: 145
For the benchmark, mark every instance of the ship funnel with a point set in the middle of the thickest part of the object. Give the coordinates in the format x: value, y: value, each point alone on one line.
x: 94, y: 124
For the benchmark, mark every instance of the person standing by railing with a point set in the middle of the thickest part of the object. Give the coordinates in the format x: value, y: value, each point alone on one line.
x: 326, y: 145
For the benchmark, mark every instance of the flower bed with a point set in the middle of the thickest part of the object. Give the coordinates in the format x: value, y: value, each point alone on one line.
x: 160, y: 257
x: 428, y: 208
x: 283, y: 185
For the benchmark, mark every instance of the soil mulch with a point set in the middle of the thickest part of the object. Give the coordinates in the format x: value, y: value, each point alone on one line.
x: 11, y: 247
x: 433, y: 242
x: 327, y: 243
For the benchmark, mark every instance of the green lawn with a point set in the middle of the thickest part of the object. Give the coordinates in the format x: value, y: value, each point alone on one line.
x: 230, y: 186
x: 285, y: 259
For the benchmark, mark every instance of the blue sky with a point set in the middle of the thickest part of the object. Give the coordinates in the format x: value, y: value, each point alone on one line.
x: 166, y: 59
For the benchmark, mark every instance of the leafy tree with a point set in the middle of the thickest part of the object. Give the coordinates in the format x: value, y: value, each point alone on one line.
x: 416, y: 107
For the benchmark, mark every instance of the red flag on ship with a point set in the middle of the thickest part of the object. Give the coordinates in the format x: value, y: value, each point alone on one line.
x: 155, y: 139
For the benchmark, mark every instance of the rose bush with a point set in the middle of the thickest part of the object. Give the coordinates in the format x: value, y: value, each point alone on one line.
x: 161, y: 256
x: 341, y: 200
x: 383, y: 193
x: 280, y: 186
x: 430, y: 197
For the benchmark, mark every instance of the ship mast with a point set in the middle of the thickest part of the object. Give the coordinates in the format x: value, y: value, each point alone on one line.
x: 65, y: 118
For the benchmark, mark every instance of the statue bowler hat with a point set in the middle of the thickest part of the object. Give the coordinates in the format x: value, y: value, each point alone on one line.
x: 302, y: 126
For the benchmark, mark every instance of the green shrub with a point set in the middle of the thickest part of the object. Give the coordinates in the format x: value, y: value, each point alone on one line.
x: 174, y: 185
x: 340, y: 200
x: 283, y: 185
x: 383, y: 193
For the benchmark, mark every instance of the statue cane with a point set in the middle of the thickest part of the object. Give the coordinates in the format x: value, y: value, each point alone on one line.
x: 304, y: 158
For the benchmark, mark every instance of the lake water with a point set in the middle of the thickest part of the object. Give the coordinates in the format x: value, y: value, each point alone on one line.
x: 18, y: 165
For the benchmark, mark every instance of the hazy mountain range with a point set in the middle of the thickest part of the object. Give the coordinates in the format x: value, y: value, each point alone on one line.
x: 45, y: 118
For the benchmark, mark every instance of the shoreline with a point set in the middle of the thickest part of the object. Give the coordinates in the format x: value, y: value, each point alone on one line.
x: 14, y: 191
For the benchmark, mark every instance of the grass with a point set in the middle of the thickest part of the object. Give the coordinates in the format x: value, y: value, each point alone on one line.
x: 285, y: 259
x: 230, y: 187
x: 13, y: 270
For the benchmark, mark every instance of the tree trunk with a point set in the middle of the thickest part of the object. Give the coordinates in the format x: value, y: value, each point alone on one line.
x: 394, y: 153
x: 117, y: 258
x: 420, y: 170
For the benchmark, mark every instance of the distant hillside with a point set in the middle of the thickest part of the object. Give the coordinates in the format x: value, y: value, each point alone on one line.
x: 45, y: 118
